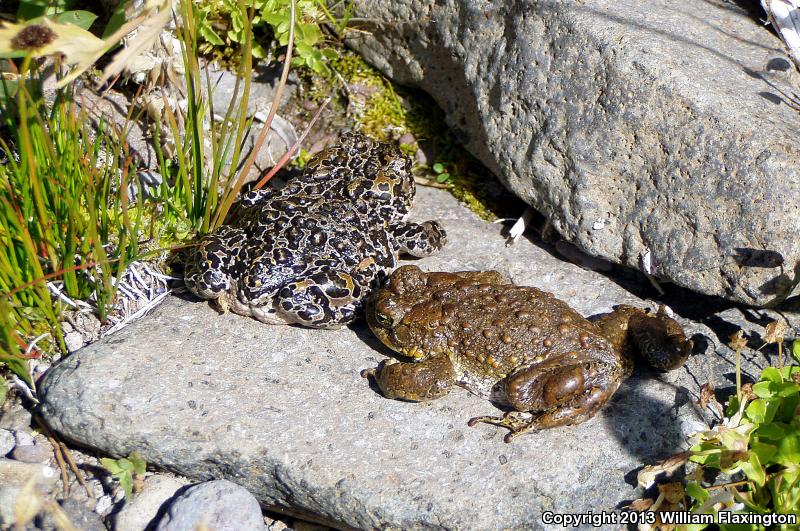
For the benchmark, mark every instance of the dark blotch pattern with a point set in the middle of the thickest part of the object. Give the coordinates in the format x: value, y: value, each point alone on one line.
x: 311, y: 252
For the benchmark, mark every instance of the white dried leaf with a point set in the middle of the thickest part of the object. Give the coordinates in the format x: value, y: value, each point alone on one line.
x: 784, y: 15
x: 518, y: 229
x: 646, y: 259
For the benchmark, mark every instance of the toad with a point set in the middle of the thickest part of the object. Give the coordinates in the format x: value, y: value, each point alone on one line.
x: 311, y: 252
x: 517, y: 346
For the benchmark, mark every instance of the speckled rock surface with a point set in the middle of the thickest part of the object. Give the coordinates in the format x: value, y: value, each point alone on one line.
x: 283, y: 411
x: 633, y: 126
x: 220, y: 505
x: 144, y: 507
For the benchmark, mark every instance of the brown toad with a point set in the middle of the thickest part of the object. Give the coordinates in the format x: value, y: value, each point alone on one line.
x: 515, y: 345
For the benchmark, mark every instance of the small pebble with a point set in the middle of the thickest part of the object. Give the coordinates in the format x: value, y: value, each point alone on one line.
x: 140, y: 511
x: 23, y: 438
x: 73, y: 341
x: 35, y: 453
x: 220, y: 505
x: 103, y: 506
x: 275, y: 525
x: 778, y: 64
x: 15, y: 418
x: 7, y: 442
x: 79, y: 515
x: 407, y: 139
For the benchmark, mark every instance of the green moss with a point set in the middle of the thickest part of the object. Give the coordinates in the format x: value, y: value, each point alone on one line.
x: 392, y: 111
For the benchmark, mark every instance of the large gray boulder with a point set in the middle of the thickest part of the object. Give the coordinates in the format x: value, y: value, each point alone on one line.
x: 282, y: 410
x: 640, y: 129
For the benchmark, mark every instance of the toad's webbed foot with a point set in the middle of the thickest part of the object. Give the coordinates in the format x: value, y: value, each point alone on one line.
x: 419, y: 239
x: 511, y: 420
x: 327, y: 299
x: 417, y: 382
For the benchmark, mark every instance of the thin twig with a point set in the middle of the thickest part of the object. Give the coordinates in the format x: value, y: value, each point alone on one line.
x: 75, y: 470
x: 728, y: 485
x: 61, y: 465
x: 57, y: 452
x: 286, y: 156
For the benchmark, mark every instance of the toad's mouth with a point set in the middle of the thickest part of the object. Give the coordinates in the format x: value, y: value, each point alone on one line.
x: 388, y: 338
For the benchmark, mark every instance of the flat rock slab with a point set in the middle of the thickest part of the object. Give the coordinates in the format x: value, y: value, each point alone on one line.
x: 283, y: 411
x: 647, y: 132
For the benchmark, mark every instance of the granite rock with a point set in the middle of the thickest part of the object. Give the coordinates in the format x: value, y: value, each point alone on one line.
x: 651, y: 134
x: 7, y: 442
x: 141, y: 511
x: 282, y: 410
x: 220, y: 505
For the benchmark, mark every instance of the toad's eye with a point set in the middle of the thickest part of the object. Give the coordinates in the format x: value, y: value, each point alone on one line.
x: 386, y: 314
x: 384, y: 320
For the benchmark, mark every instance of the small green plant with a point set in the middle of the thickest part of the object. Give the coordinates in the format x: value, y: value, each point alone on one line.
x: 754, y: 455
x: 64, y: 214
x: 442, y: 174
x: 222, y: 28
x: 128, y: 471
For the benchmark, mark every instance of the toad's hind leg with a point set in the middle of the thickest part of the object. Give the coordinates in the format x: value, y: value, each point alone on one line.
x: 326, y: 299
x: 553, y: 396
x: 419, y: 239
x: 417, y: 382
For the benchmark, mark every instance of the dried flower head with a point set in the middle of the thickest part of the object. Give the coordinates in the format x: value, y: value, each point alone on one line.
x: 775, y: 332
x: 32, y: 37
x: 737, y: 340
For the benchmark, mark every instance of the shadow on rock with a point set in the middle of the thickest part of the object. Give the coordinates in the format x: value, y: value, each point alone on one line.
x: 646, y: 425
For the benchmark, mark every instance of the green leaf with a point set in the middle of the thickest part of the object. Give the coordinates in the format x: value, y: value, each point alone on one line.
x: 111, y: 465
x: 442, y: 177
x: 765, y: 451
x: 757, y: 410
x: 258, y: 51
x: 796, y: 349
x: 789, y: 449
x: 770, y: 431
x: 139, y: 465
x: 29, y: 9
x: 775, y: 389
x: 208, y: 33
x: 82, y: 19
x: 126, y: 482
x: 438, y: 167
x: 116, y: 21
x: 125, y: 464
x: 304, y: 49
x: 18, y: 366
x: 771, y: 374
x: 697, y: 492
x: 753, y: 470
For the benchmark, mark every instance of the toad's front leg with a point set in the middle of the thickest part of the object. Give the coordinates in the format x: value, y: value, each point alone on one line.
x: 419, y: 239
x: 555, y: 396
x: 212, y: 267
x: 416, y: 381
